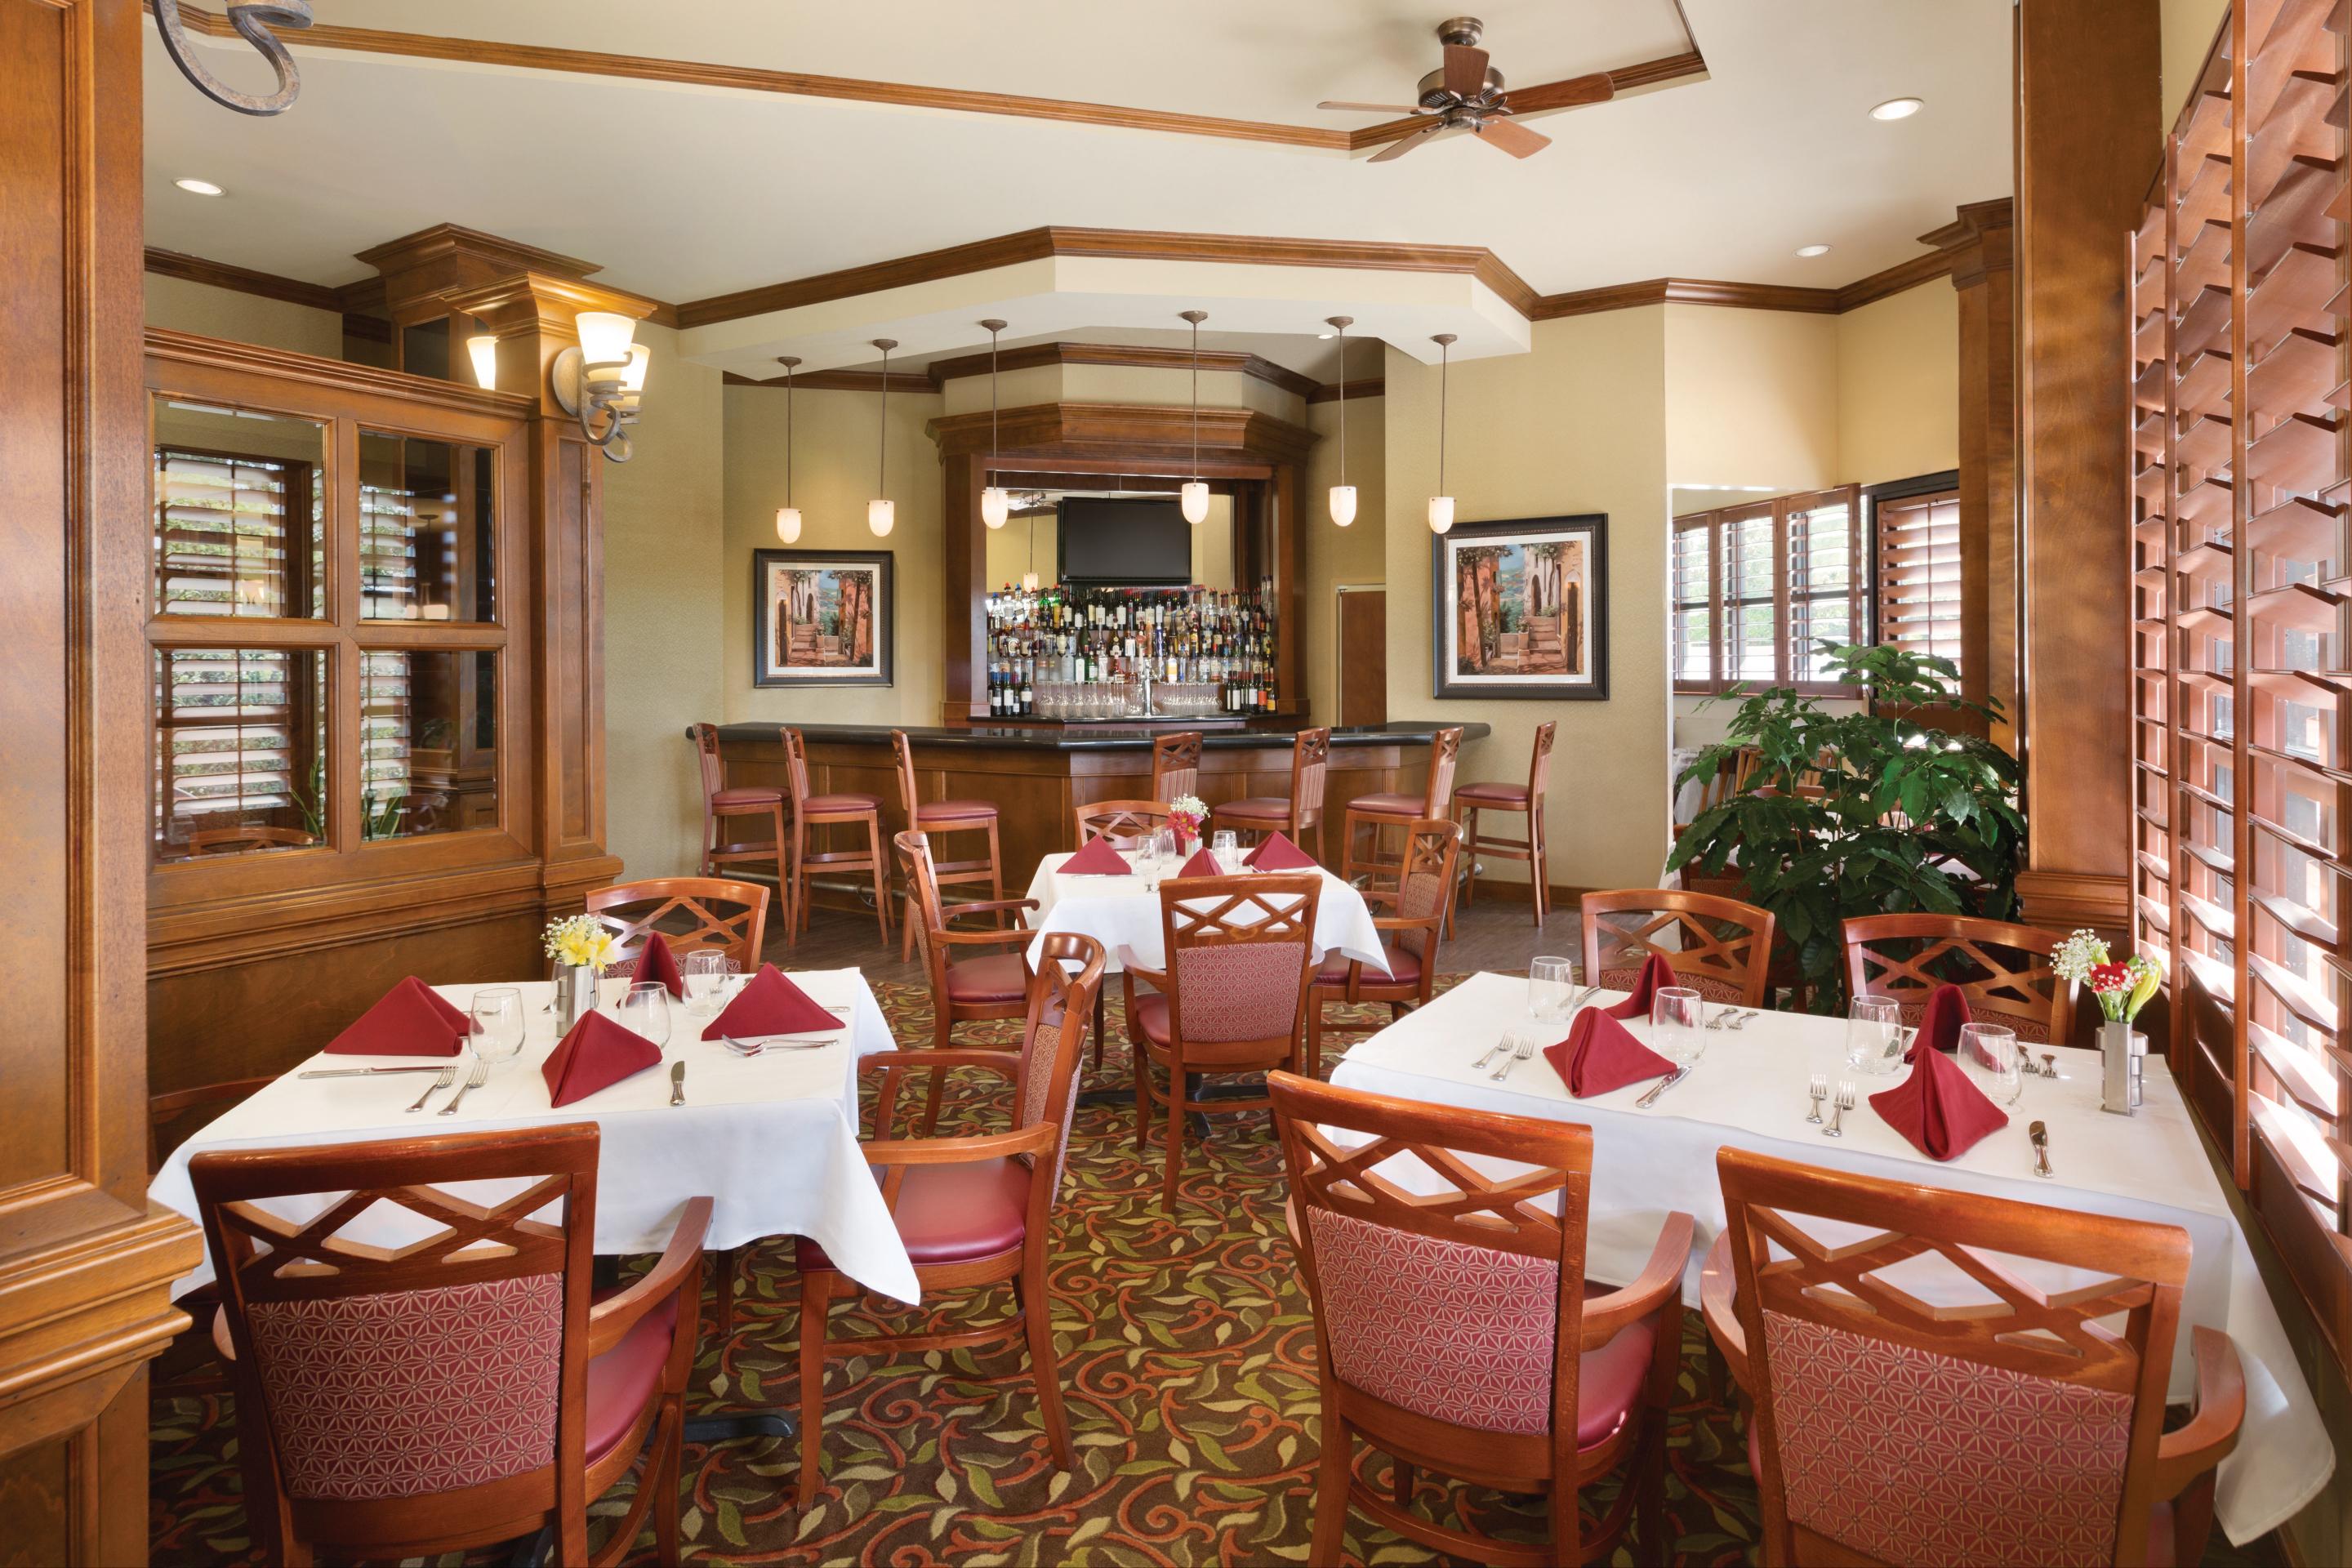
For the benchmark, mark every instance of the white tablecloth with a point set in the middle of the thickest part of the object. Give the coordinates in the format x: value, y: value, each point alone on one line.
x: 772, y: 1138
x: 1123, y: 914
x: 1748, y: 1090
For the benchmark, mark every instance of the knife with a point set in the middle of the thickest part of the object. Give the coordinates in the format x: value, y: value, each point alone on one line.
x: 362, y: 1072
x: 1663, y: 1085
x: 678, y: 1083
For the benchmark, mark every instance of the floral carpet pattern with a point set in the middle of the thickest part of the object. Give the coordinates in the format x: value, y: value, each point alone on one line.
x: 1188, y: 1363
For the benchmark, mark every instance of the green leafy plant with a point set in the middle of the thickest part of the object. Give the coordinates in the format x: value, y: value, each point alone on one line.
x: 1857, y: 814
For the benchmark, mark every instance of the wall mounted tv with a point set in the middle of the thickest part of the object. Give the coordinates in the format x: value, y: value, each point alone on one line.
x: 1125, y: 541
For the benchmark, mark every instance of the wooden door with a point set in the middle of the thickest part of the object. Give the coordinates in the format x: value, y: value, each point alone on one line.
x: 84, y: 1265
x: 1363, y: 655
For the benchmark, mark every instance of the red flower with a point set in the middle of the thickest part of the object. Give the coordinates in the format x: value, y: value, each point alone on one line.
x: 2106, y: 978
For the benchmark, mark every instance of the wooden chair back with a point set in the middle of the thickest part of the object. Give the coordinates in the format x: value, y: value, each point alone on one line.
x: 2002, y: 969
x: 902, y: 758
x: 1539, y: 765
x: 1053, y: 1047
x: 1424, y: 891
x: 1241, y: 957
x: 1310, y: 759
x: 1444, y: 755
x: 1176, y: 765
x: 1123, y: 822
x: 796, y: 773
x: 691, y: 912
x: 2026, y: 1427
x: 706, y: 757
x: 252, y: 835
x: 1720, y: 947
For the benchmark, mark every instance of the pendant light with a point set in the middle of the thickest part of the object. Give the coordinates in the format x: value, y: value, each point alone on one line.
x: 995, y: 503
x: 880, y: 515
x: 788, y: 516
x: 1343, y: 494
x: 1194, y: 497
x: 1441, y: 505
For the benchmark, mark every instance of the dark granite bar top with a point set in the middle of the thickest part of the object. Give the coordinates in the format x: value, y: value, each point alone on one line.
x: 1097, y: 737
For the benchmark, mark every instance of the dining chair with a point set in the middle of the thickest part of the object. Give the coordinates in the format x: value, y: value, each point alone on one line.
x: 936, y: 818
x: 2017, y: 1424
x: 1123, y: 822
x: 1175, y: 765
x: 461, y: 1389
x: 2003, y: 969
x: 1385, y: 810
x: 988, y: 986
x: 1409, y: 934
x: 1240, y: 955
x: 1720, y: 947
x: 190, y: 1366
x: 1732, y: 774
x: 1453, y: 1329
x: 692, y: 914
x: 1473, y: 799
x: 1294, y: 813
x: 973, y: 1210
x: 812, y: 813
x: 724, y: 803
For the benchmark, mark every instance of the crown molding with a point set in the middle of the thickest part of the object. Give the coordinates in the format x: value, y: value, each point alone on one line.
x: 243, y: 279
x: 1135, y: 433
x: 1221, y: 360
x: 168, y: 347
x: 913, y: 381
x: 1893, y: 279
x: 1370, y: 386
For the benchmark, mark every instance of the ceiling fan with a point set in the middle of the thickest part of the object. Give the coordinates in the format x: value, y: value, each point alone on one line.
x: 1467, y: 92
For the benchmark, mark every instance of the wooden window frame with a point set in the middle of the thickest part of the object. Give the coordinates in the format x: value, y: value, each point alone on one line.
x: 1780, y: 509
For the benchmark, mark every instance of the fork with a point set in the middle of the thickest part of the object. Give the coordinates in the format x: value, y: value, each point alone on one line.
x: 441, y: 1080
x: 1845, y: 1102
x: 1501, y: 1045
x: 1819, y: 1091
x: 1523, y: 1047
x: 474, y: 1081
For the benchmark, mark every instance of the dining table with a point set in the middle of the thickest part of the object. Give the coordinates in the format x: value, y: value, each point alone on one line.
x: 1123, y: 914
x: 1749, y: 1087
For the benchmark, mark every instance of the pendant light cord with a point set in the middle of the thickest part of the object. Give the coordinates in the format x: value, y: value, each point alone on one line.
x: 1196, y: 403
x: 882, y: 447
x: 1343, y: 405
x: 788, y: 435
x: 1445, y: 369
x: 991, y: 407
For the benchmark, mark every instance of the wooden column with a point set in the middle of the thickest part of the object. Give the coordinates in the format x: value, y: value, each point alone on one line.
x: 85, y: 1263
x: 2088, y: 124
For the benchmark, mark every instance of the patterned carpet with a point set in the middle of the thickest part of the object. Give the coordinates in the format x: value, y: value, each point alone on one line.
x: 1187, y: 1361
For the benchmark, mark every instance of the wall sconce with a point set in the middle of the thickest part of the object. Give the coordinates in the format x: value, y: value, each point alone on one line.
x: 603, y: 379
x: 484, y: 350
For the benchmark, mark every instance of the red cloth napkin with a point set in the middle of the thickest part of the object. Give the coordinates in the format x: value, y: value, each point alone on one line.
x: 1938, y: 1109
x: 408, y: 1020
x: 1940, y: 1021
x: 597, y: 1054
x: 1600, y: 1054
x: 1201, y: 864
x: 771, y: 1005
x: 1655, y: 976
x: 656, y: 961
x: 1096, y: 859
x: 1279, y: 854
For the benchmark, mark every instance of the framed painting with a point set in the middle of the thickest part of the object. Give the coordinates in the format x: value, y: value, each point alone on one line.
x: 821, y: 617
x: 1521, y: 609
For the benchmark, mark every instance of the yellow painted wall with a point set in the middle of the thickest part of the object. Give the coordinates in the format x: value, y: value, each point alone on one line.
x: 1898, y: 380
x: 2187, y: 28
x: 1575, y: 425
x: 1355, y: 555
x: 186, y: 307
x: 1751, y: 397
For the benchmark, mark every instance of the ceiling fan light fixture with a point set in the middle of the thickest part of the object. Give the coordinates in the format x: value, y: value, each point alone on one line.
x: 1898, y: 109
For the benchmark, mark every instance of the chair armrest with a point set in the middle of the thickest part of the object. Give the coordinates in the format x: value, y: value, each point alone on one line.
x: 614, y: 1315
x: 221, y: 1342
x: 1661, y: 1278
x: 959, y: 1151
x: 1155, y: 978
x: 1399, y: 922
x: 1014, y: 936
x: 1007, y: 1062
x: 2183, y: 1456
x: 1719, y: 1289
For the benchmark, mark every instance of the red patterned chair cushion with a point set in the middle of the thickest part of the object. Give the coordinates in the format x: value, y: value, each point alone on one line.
x: 411, y: 1391
x: 1239, y: 991
x: 952, y: 1214
x: 2029, y: 1031
x: 998, y: 977
x: 1508, y: 796
x: 1405, y: 968
x: 831, y: 802
x: 1916, y: 1458
x: 932, y: 814
x: 1707, y: 985
x: 1462, y: 1333
x: 751, y: 794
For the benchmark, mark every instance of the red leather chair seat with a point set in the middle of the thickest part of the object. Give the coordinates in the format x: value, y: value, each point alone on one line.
x: 952, y: 1214
x: 1608, y: 1382
x: 624, y: 1378
x: 998, y: 977
x: 1405, y: 806
x: 849, y: 803
x: 1506, y: 795
x: 751, y: 794
x: 1405, y: 968
x: 943, y: 811
x: 1256, y: 809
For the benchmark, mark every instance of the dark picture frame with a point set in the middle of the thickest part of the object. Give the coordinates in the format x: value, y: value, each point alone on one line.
x: 1536, y: 590
x: 799, y: 600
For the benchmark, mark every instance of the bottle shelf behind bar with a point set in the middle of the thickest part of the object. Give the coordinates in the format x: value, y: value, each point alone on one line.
x: 1077, y: 653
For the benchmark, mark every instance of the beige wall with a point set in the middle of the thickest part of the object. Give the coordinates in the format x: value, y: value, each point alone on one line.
x: 1751, y: 397
x: 1578, y: 425
x: 2187, y: 28
x: 1898, y: 380
x: 1009, y: 554
x: 1355, y: 555
x: 186, y: 307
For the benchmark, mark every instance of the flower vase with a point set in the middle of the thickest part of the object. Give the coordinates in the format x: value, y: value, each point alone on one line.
x: 575, y: 994
x: 2119, y: 1069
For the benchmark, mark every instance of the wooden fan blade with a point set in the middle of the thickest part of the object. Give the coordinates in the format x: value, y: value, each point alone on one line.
x: 1516, y: 139
x: 1376, y: 108
x: 1577, y: 90
x: 1403, y: 144
x: 1465, y: 70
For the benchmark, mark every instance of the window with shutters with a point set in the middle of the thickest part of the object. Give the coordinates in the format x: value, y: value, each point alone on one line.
x: 1919, y: 580
x: 1758, y: 587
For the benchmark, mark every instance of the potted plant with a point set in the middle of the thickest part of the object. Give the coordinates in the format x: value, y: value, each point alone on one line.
x: 1859, y: 813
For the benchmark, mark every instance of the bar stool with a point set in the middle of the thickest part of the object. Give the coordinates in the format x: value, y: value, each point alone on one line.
x: 814, y: 811
x: 937, y: 818
x: 1176, y: 765
x: 1310, y: 757
x: 719, y: 803
x: 1535, y: 848
x: 1379, y: 811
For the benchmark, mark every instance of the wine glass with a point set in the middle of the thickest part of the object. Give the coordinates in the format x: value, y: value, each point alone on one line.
x: 646, y: 1009
x: 1225, y: 849
x: 1988, y: 1056
x: 1675, y: 1022
x: 497, y: 1024
x: 1874, y: 1035
x: 1551, y: 983
x: 705, y: 971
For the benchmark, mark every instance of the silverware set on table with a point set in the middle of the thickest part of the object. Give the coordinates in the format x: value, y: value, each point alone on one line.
x: 1843, y: 1101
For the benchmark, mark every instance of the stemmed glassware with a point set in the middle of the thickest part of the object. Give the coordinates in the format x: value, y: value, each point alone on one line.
x: 497, y: 1024
x: 646, y: 1009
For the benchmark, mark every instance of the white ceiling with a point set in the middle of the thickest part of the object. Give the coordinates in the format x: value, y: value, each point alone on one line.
x: 682, y: 192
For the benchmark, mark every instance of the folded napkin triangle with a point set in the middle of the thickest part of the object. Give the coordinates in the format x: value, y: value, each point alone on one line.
x: 597, y: 1054
x: 1940, y: 1021
x: 771, y: 1005
x: 1600, y: 1054
x: 1655, y: 976
x: 1096, y: 858
x: 1938, y: 1109
x: 1201, y: 864
x: 409, y: 1020
x: 1279, y: 854
x: 657, y: 962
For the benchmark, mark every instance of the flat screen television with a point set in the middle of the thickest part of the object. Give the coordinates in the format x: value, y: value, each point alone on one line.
x: 1125, y: 541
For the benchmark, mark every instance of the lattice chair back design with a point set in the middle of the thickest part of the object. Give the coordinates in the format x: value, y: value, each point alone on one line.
x: 2003, y: 969
x: 1125, y: 823
x: 1176, y: 765
x: 1412, y: 925
x: 692, y: 913
x: 1919, y: 1399
x: 1452, y: 1325
x: 436, y: 1393
x: 1720, y: 947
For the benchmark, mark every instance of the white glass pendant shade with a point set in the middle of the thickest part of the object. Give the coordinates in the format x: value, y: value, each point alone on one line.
x: 1343, y: 504
x: 1441, y: 514
x: 995, y: 506
x: 788, y: 524
x: 1028, y: 582
x: 604, y: 337
x: 632, y: 379
x: 484, y: 352
x: 881, y: 516
x: 1194, y: 500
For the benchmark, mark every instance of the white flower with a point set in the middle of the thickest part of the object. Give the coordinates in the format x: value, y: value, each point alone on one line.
x: 2078, y: 955
x: 1189, y: 805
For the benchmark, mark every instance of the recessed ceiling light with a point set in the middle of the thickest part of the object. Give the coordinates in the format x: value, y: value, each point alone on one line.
x: 1325, y: 337
x: 1898, y: 109
x: 200, y: 187
x: 1813, y: 250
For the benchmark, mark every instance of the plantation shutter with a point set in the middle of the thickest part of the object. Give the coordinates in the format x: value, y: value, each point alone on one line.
x: 1918, y: 578
x: 1823, y: 534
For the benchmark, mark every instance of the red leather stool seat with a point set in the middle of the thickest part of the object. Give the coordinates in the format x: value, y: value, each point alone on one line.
x: 751, y: 794
x: 832, y: 802
x: 1507, y: 795
x: 1256, y: 809
x: 937, y: 813
x: 1404, y: 806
